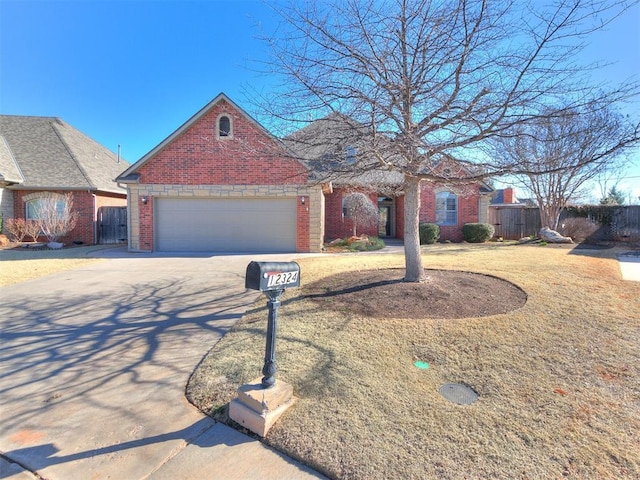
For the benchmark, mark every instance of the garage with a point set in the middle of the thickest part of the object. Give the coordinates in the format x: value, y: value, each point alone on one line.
x: 225, y: 225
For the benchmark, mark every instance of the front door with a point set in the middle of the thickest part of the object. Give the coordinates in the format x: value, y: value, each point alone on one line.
x: 386, y: 220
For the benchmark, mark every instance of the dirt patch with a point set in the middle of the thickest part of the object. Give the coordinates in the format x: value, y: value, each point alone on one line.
x: 444, y: 294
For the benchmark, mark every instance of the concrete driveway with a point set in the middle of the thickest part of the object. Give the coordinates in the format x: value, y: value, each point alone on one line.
x: 93, y: 366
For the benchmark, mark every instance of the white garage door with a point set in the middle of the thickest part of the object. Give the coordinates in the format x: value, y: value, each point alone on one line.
x: 225, y: 225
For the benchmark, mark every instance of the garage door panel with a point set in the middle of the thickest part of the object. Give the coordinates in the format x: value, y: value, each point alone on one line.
x: 226, y: 225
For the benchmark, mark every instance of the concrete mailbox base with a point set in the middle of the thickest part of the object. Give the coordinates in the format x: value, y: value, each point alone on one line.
x: 257, y: 408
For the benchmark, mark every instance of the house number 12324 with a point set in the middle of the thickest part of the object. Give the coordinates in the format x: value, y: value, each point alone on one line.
x: 282, y: 279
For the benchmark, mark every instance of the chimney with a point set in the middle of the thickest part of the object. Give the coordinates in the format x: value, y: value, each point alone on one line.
x: 508, y: 195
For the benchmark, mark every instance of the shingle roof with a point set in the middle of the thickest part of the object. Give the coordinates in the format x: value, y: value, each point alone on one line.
x: 48, y: 153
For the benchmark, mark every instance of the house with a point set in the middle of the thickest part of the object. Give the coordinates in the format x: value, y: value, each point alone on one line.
x: 222, y: 183
x: 44, y: 156
x: 332, y: 145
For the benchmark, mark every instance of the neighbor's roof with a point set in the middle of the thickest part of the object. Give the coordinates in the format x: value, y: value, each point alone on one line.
x: 48, y: 153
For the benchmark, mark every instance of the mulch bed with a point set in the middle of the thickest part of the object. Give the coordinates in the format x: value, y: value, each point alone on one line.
x: 444, y: 294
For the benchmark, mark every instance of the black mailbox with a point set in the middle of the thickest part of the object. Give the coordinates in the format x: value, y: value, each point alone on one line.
x: 266, y: 276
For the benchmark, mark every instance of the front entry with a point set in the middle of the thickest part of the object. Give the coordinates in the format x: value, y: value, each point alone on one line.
x: 386, y: 217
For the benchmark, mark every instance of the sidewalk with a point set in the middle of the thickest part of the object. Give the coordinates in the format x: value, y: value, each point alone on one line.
x: 630, y: 266
x: 219, y: 453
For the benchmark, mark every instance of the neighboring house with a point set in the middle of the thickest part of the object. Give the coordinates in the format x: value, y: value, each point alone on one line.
x: 330, y: 146
x: 513, y: 218
x: 42, y: 156
x: 506, y: 197
x: 222, y: 183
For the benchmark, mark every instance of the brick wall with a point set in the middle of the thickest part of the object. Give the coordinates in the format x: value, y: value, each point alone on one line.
x: 468, y: 198
x: 199, y: 157
x: 248, y: 163
x: 83, y: 203
x: 338, y: 226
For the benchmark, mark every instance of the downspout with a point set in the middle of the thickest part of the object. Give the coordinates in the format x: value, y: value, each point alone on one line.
x: 95, y: 218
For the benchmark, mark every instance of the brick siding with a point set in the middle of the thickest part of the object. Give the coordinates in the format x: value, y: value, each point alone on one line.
x: 336, y: 224
x: 83, y: 203
x: 249, y: 164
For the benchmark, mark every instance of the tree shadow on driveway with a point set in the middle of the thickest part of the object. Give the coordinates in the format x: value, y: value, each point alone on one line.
x: 88, y: 369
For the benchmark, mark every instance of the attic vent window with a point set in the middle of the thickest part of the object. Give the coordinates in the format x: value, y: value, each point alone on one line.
x: 350, y: 154
x: 224, y: 127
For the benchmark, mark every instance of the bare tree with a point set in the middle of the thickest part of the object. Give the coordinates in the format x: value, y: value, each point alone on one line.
x: 563, y: 153
x: 427, y: 82
x: 361, y: 210
x: 55, y: 215
x: 32, y: 229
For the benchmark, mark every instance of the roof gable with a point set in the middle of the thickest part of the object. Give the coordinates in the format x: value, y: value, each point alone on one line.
x: 48, y: 153
x: 131, y: 173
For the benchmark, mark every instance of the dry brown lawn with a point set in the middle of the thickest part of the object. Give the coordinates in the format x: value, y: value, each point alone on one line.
x: 21, y: 264
x: 558, y: 378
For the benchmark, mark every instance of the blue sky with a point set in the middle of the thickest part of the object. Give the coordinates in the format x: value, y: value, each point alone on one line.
x: 129, y: 72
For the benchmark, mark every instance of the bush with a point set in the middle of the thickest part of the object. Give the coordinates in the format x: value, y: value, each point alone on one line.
x: 56, y: 215
x: 17, y: 229
x: 477, y: 232
x: 371, y: 243
x: 429, y: 233
x: 578, y: 228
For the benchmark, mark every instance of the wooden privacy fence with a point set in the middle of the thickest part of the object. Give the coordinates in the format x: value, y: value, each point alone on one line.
x: 112, y: 225
x: 514, y: 223
x: 615, y: 223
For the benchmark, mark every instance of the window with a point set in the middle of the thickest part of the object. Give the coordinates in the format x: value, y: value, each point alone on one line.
x: 350, y: 154
x: 35, y: 206
x: 224, y: 127
x: 446, y: 208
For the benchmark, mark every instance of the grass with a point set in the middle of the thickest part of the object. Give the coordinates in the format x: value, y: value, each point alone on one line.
x: 21, y: 264
x: 558, y: 379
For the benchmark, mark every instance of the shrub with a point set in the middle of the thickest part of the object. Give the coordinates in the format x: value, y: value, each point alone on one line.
x: 56, y: 221
x: 578, y: 228
x: 361, y: 210
x: 429, y: 233
x: 32, y: 229
x: 372, y: 243
x: 477, y: 232
x: 17, y: 229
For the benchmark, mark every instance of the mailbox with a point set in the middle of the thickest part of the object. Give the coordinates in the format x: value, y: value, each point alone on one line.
x: 267, y: 276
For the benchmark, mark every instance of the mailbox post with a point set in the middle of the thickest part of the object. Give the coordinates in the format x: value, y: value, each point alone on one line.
x: 272, y: 278
x: 261, y: 402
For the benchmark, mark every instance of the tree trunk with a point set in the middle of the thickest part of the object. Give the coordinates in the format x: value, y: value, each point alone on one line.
x: 413, y: 261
